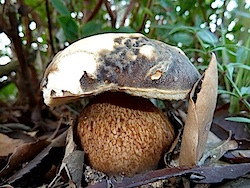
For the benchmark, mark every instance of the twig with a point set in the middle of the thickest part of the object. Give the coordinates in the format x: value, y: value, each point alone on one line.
x: 94, y: 12
x: 2, y: 22
x: 50, y: 28
x: 24, y: 11
x: 203, y: 11
x: 145, y: 17
x: 21, y: 54
x: 129, y: 8
x: 112, y: 14
x: 134, y: 17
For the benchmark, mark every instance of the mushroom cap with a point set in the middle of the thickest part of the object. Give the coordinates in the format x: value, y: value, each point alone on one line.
x: 123, y: 134
x: 131, y: 63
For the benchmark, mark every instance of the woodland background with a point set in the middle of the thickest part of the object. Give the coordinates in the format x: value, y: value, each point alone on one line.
x: 32, y: 32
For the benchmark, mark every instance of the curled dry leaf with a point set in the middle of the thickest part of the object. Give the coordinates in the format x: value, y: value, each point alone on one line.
x: 200, y: 115
x: 57, y: 142
x: 27, y: 151
x: 203, y: 174
x: 214, y: 151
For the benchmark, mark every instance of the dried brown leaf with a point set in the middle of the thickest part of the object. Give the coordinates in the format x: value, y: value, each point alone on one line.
x: 189, y: 141
x: 221, y: 127
x: 199, y: 118
x: 214, y: 151
x: 203, y: 174
x: 59, y: 141
x: 22, y: 154
x: 72, y: 162
x: 206, y: 103
x: 8, y: 145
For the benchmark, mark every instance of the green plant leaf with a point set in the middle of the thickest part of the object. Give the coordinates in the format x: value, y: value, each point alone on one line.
x: 241, y: 55
x: 184, y: 38
x: 238, y: 119
x: 8, y: 92
x: 182, y: 28
x: 221, y: 91
x: 207, y: 37
x: 91, y: 28
x: 69, y: 26
x: 245, y: 91
x: 239, y: 65
x: 148, y: 11
x: 230, y: 70
x: 243, y: 14
x: 60, y: 7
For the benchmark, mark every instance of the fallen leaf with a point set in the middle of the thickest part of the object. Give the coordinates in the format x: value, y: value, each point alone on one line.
x: 73, y: 159
x: 240, y: 134
x: 9, y: 127
x: 221, y: 127
x: 214, y: 151
x: 214, y: 174
x: 72, y: 162
x: 8, y: 145
x: 200, y: 115
x: 59, y: 141
x: 189, y: 143
x: 23, y: 154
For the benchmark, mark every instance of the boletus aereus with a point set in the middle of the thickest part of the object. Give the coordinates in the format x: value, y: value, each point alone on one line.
x: 120, y: 130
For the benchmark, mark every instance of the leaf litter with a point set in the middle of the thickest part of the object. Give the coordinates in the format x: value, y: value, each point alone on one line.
x: 213, y: 156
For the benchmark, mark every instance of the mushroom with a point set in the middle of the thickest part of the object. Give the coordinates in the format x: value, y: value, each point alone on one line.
x: 123, y: 134
x: 120, y: 130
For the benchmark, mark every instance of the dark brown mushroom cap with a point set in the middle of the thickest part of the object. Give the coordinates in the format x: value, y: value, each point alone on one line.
x: 131, y: 63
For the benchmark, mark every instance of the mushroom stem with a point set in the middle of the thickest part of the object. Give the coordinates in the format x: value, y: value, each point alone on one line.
x: 123, y: 134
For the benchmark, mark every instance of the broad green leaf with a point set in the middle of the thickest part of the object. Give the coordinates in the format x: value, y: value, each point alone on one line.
x: 148, y: 11
x: 91, y: 28
x: 69, y: 27
x: 230, y: 70
x: 231, y: 47
x: 238, y: 119
x: 220, y: 91
x: 60, y: 7
x: 245, y: 91
x: 39, y: 10
x: 165, y: 4
x: 207, y: 37
x: 187, y: 5
x: 243, y: 14
x: 239, y: 65
x: 208, y: 2
x: 8, y: 92
x: 162, y: 26
x: 184, y: 38
x: 195, y: 50
x: 182, y: 28
x: 241, y: 55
